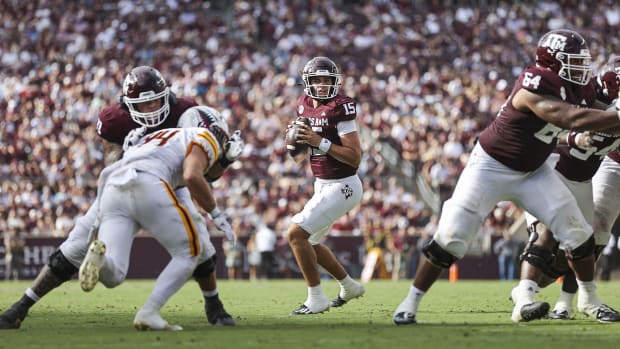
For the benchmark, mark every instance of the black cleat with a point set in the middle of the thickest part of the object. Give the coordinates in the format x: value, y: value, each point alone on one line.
x: 559, y: 315
x: 337, y: 302
x: 12, y: 318
x: 534, y: 311
x: 606, y: 314
x: 216, y: 314
x: 304, y: 310
x: 404, y: 318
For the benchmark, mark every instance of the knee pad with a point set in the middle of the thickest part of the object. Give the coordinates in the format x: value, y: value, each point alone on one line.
x: 598, y: 249
x: 559, y: 265
x: 60, y: 266
x: 205, y: 268
x: 437, y: 255
x: 541, y: 258
x: 582, y: 251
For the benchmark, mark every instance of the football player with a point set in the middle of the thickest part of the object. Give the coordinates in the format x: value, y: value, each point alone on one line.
x: 508, y: 164
x: 577, y: 164
x: 139, y: 192
x: 146, y: 102
x: 335, y: 153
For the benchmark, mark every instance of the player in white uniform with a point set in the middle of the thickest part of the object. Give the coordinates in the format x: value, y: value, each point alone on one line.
x: 138, y: 191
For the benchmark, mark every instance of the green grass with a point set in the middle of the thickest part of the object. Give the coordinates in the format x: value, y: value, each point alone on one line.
x: 467, y: 314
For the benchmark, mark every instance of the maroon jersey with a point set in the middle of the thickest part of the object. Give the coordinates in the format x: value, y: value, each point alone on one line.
x: 114, y: 121
x: 579, y: 164
x: 324, y: 119
x: 521, y: 140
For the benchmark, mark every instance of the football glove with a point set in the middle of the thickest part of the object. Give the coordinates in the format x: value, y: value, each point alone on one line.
x: 222, y: 224
x: 233, y: 149
x: 133, y: 137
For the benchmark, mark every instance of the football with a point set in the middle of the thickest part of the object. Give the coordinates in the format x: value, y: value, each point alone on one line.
x: 292, y: 146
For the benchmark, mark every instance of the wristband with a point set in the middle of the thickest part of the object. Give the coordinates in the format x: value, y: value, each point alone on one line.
x: 325, y: 145
x: 224, y: 162
x: 619, y: 113
x: 215, y: 212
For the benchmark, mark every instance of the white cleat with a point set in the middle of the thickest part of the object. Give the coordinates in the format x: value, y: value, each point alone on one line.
x: 356, y: 292
x: 317, y: 306
x: 89, y: 270
x: 151, y: 320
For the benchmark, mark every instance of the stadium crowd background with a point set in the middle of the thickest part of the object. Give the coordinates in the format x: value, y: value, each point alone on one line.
x: 428, y: 76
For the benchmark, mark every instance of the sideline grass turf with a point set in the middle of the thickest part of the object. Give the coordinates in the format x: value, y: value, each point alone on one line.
x: 467, y: 314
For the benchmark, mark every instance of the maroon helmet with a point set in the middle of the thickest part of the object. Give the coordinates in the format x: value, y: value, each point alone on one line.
x: 146, y: 84
x: 566, y: 53
x: 320, y: 66
x: 608, y: 80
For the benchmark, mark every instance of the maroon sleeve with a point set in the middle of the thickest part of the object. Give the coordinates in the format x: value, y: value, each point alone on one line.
x: 114, y: 123
x: 541, y: 81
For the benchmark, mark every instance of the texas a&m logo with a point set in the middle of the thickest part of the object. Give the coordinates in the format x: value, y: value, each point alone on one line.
x: 554, y: 42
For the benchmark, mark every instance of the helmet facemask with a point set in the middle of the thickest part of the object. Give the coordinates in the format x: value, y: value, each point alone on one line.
x: 152, y: 118
x: 312, y: 89
x: 576, y: 68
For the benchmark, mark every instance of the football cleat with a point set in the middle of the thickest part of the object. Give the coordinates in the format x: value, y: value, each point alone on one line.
x: 559, y: 315
x: 216, y: 314
x: 89, y: 270
x: 304, y: 310
x: 606, y: 314
x: 529, y: 312
x: 404, y: 318
x: 151, y: 320
x: 357, y: 292
x: 12, y: 318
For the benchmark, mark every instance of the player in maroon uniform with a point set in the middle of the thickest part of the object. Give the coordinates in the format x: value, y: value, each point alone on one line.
x: 146, y: 102
x: 577, y: 164
x: 335, y: 154
x: 507, y: 164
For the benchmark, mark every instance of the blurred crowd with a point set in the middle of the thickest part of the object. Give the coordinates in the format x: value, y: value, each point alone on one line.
x: 427, y: 75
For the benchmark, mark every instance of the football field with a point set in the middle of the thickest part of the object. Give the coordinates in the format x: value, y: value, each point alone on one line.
x: 466, y: 314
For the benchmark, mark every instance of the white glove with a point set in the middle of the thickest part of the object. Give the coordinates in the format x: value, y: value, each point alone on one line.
x: 222, y: 223
x: 133, y: 137
x: 233, y: 149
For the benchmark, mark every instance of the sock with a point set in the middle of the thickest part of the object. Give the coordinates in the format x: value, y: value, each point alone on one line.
x: 152, y: 305
x: 346, y: 282
x: 587, y: 295
x: 525, y: 292
x: 29, y: 298
x: 315, y: 292
x: 565, y: 301
x: 412, y: 301
x: 210, y: 293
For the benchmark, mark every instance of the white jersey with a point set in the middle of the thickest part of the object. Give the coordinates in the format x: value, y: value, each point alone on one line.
x: 162, y: 153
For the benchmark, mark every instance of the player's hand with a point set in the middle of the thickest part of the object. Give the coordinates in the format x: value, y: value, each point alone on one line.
x: 584, y: 140
x: 306, y: 135
x: 133, y: 137
x: 222, y: 223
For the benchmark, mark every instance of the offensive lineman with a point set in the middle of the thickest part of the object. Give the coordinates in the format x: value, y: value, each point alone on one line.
x: 508, y: 164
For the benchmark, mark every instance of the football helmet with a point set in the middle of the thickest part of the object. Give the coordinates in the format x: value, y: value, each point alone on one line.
x: 207, y: 117
x: 566, y: 53
x: 608, y: 79
x: 320, y: 66
x: 145, y: 84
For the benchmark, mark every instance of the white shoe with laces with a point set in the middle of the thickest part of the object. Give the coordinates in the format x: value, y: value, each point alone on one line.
x: 151, y: 320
